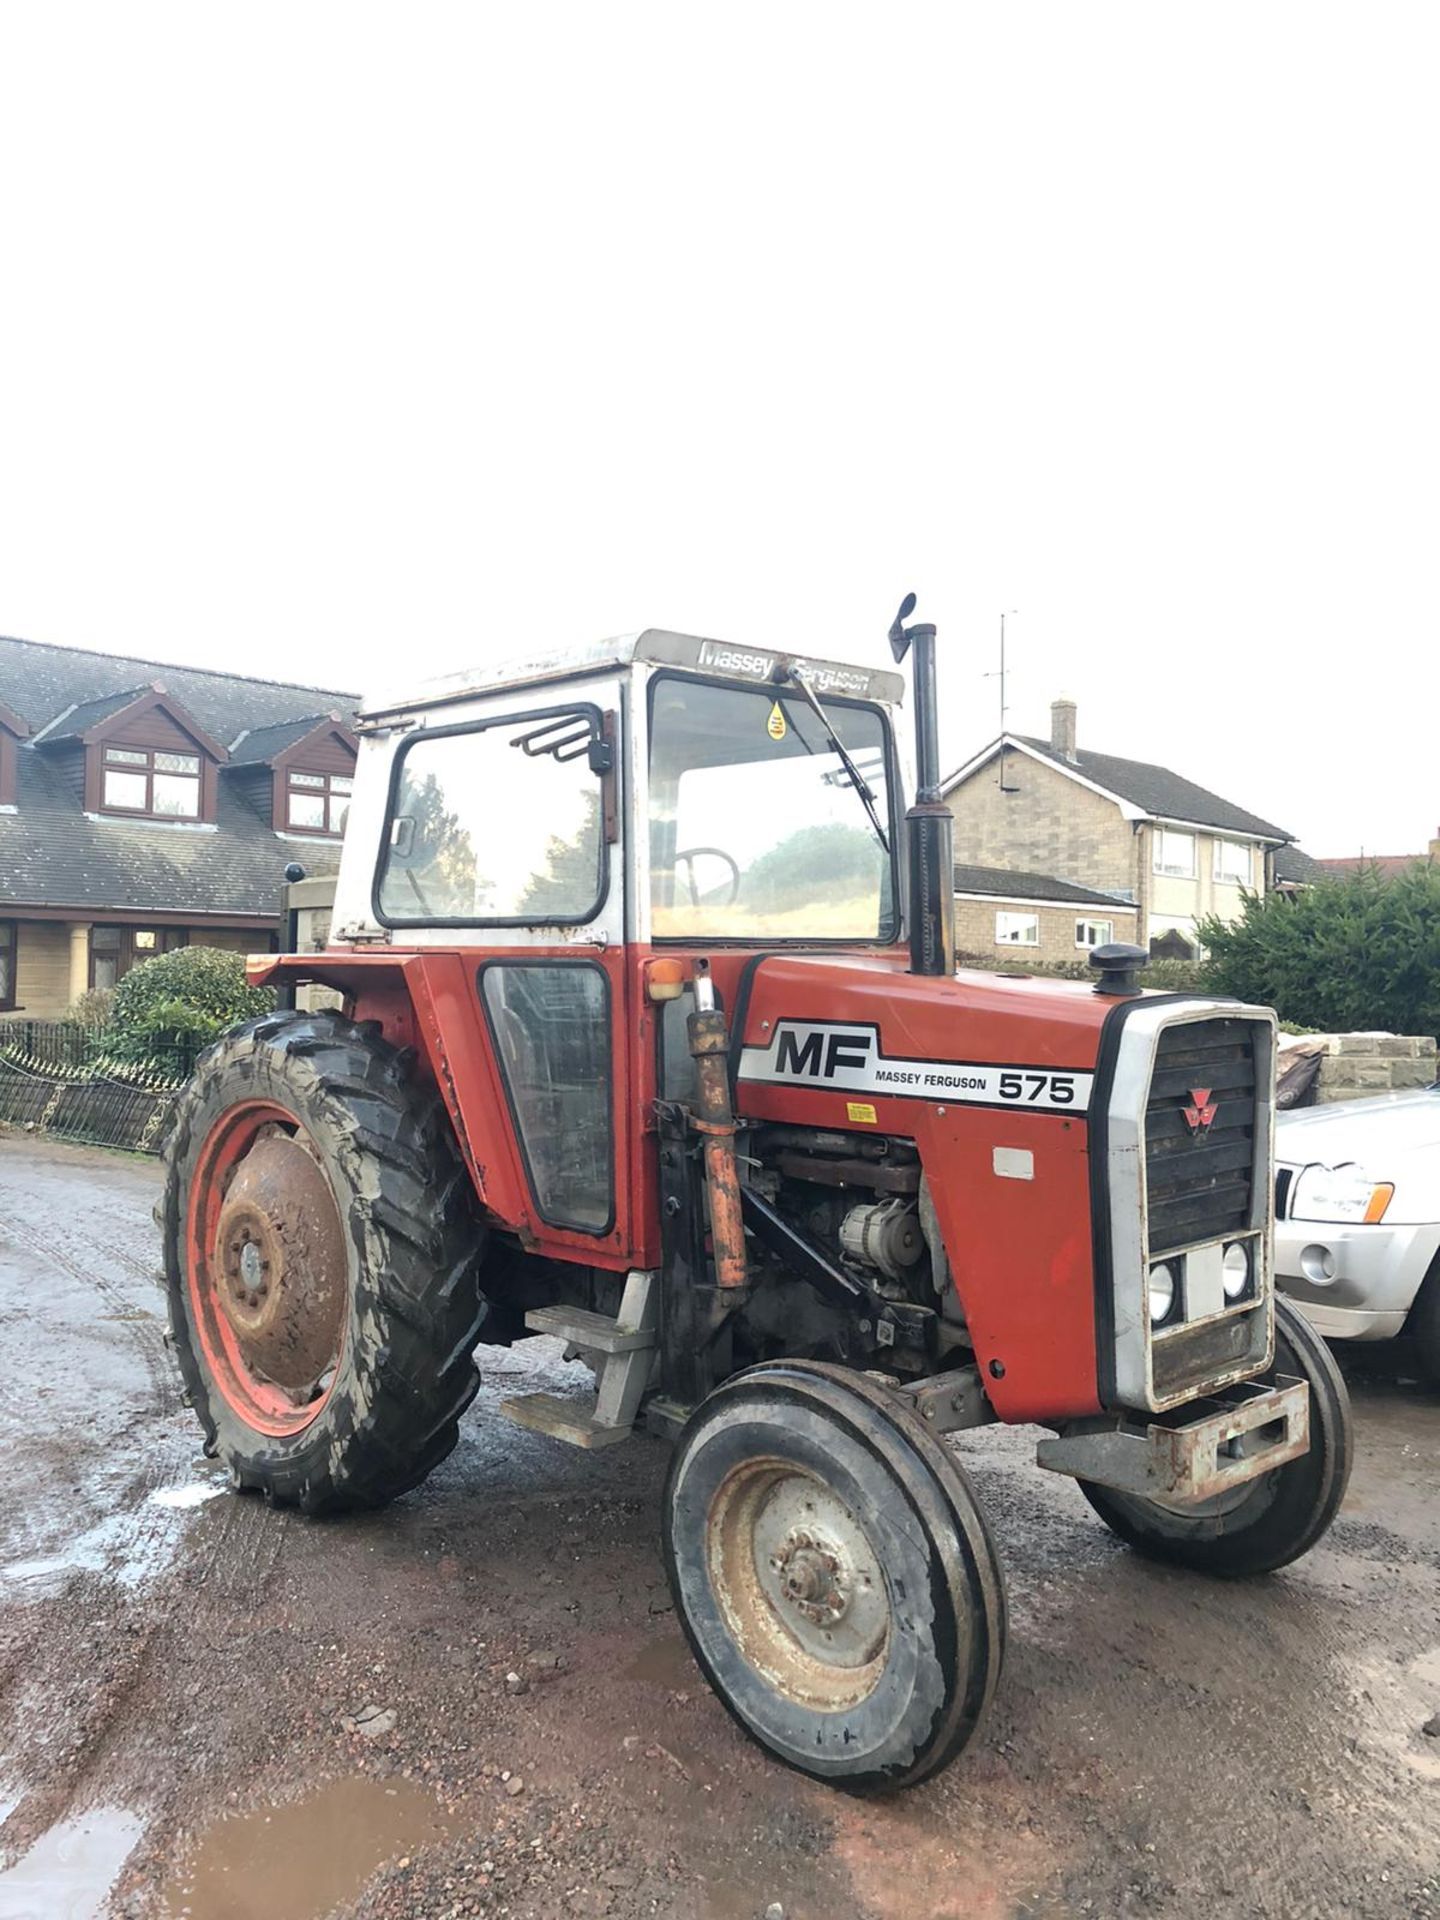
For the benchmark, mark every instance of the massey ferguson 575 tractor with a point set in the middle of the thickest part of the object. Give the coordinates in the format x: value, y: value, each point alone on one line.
x: 652, y: 1039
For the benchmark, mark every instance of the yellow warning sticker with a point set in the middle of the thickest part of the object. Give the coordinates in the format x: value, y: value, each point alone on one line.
x: 861, y: 1111
x: 775, y: 726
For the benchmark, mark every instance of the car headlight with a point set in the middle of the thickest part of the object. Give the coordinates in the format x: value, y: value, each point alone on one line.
x: 1345, y: 1194
x: 1163, y: 1294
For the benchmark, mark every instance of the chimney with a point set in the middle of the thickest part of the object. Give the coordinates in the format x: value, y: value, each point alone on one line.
x: 1062, y: 726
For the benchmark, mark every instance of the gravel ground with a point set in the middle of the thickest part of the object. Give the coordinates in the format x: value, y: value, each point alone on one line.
x: 478, y: 1701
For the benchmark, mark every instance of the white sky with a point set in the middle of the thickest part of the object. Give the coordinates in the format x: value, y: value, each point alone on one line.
x: 341, y: 341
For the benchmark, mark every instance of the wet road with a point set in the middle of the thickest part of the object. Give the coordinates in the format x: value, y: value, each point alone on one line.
x: 214, y: 1710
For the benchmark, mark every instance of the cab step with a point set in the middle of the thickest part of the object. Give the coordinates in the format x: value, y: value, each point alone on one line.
x: 624, y: 1350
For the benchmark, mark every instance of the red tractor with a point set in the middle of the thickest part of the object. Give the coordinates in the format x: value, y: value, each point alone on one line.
x: 652, y: 1040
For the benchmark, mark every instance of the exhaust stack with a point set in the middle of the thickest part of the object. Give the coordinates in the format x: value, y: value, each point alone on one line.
x: 929, y: 824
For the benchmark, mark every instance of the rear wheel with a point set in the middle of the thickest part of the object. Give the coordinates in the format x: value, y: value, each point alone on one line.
x: 321, y: 1251
x: 1270, y: 1521
x: 833, y: 1574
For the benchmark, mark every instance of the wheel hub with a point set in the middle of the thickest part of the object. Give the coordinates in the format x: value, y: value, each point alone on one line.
x: 803, y: 1587
x: 813, y: 1577
x: 280, y: 1264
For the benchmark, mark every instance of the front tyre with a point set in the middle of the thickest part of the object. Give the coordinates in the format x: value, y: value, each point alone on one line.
x: 1270, y: 1521
x: 834, y: 1577
x: 321, y: 1252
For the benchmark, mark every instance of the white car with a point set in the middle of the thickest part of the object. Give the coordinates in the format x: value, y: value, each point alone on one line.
x: 1357, y: 1218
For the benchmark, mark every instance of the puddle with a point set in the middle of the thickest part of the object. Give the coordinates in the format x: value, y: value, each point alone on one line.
x: 301, y: 1860
x: 119, y: 1546
x: 68, y: 1873
x: 667, y: 1662
x: 193, y: 1494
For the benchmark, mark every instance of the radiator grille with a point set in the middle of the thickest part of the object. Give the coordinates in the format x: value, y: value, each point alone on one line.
x: 1200, y: 1177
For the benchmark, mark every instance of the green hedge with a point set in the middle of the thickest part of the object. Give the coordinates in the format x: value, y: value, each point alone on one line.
x: 1353, y: 954
x: 190, y: 995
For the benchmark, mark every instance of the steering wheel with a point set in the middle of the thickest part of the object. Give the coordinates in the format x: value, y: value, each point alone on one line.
x: 691, y: 854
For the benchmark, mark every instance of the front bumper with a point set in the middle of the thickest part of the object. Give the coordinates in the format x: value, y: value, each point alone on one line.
x: 1205, y: 1448
x: 1350, y: 1323
x: 1376, y: 1272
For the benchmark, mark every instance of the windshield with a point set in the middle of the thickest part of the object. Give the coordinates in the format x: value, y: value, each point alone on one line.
x: 756, y: 829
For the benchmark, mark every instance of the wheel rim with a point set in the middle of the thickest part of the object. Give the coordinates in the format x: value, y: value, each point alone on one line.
x: 799, y: 1584
x: 267, y: 1272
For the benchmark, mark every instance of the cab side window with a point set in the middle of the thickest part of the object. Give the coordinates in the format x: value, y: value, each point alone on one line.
x: 498, y: 825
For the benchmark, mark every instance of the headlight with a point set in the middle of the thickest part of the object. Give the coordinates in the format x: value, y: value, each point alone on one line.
x: 1345, y: 1194
x: 1235, y: 1271
x: 1163, y: 1294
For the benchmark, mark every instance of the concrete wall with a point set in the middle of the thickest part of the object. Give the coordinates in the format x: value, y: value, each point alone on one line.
x: 1357, y: 1066
x: 1050, y: 825
x: 975, y: 928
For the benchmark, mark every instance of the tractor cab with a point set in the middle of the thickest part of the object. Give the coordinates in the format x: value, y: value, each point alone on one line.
x: 676, y: 790
x: 651, y: 1039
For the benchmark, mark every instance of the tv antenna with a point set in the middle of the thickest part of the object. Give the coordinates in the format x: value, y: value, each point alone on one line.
x: 1004, y: 705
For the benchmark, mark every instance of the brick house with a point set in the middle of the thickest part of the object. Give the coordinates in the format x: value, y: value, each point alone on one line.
x: 1034, y: 915
x: 1385, y: 864
x: 145, y: 807
x: 1126, y: 829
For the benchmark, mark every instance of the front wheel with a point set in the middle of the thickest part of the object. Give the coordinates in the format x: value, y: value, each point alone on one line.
x: 1270, y: 1521
x: 835, y: 1579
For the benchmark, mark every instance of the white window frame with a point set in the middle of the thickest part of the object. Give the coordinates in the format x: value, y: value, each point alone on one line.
x: 1167, y: 839
x: 1026, y: 924
x: 1246, y: 876
x: 1089, y: 926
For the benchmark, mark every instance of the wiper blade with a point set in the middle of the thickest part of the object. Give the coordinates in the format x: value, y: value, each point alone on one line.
x: 857, y: 779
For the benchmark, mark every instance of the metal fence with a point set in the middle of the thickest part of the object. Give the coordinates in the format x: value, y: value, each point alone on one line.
x: 60, y: 1077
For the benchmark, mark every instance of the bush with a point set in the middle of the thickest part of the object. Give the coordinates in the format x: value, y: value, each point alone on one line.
x: 94, y: 1007
x: 1178, y: 976
x: 185, y: 997
x: 1351, y: 954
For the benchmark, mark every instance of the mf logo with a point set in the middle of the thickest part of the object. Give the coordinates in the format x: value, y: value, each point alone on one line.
x: 822, y: 1052
x: 1200, y: 1114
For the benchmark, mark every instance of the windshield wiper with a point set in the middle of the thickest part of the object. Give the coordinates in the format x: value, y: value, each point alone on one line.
x: 857, y: 779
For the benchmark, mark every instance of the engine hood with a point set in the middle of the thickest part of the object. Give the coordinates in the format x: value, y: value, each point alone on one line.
x: 1395, y: 1137
x: 1366, y: 1131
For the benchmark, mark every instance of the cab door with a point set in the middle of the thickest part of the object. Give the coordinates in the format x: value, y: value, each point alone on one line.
x: 502, y: 844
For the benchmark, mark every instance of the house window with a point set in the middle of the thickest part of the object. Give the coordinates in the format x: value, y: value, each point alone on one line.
x: 1094, y: 933
x: 1175, y: 854
x: 8, y: 942
x: 317, y: 802
x: 1232, y: 862
x: 162, y: 786
x: 1017, y: 929
x: 105, y: 954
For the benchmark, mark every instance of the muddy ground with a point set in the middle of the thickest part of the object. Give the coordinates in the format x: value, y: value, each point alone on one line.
x: 213, y: 1710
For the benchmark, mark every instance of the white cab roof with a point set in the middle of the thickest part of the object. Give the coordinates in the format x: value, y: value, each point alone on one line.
x: 655, y: 645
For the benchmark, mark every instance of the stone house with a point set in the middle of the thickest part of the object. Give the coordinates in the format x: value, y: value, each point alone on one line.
x: 1137, y: 833
x: 145, y: 807
x: 1034, y: 915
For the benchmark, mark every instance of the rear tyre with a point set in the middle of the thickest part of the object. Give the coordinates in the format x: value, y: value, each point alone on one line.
x: 321, y: 1253
x: 1423, y: 1327
x: 833, y: 1574
x: 1272, y: 1520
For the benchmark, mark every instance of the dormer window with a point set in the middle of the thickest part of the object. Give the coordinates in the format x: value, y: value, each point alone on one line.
x: 317, y: 802
x: 151, y: 783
